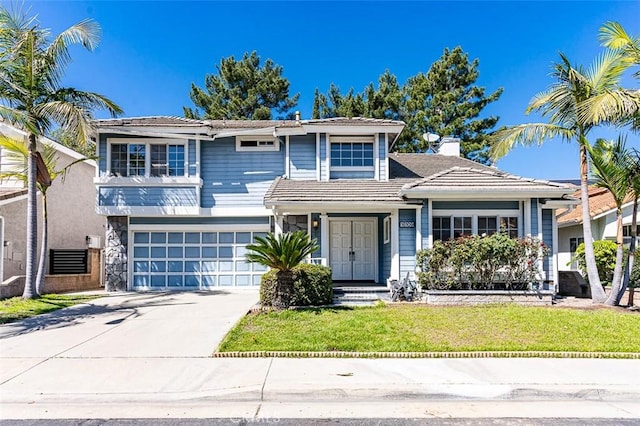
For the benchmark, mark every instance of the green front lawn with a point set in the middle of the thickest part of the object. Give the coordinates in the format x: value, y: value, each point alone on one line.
x: 420, y: 328
x: 16, y: 308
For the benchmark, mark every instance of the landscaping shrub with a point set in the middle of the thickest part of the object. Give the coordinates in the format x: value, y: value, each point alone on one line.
x: 495, y: 262
x: 605, y: 254
x: 312, y: 286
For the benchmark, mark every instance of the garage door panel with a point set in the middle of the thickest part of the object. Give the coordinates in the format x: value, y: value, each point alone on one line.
x: 193, y: 260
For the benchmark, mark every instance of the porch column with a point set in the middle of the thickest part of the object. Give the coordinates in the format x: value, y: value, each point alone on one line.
x: 527, y: 217
x: 555, y: 250
x: 418, y: 228
x: 324, y: 237
x: 278, y: 224
x: 395, y: 246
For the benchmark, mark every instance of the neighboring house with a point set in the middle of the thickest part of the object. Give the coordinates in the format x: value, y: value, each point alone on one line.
x: 71, y: 204
x: 603, y: 224
x: 183, y: 198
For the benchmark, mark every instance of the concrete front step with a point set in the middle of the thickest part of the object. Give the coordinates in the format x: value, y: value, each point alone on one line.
x: 359, y: 295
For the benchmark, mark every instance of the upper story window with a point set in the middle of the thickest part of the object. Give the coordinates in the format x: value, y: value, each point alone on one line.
x: 352, y: 152
x: 147, y: 159
x: 257, y: 143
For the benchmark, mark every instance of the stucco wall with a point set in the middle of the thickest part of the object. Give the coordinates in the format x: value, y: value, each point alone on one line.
x: 71, y: 217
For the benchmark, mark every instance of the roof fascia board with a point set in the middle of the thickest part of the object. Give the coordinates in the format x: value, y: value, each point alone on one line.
x: 45, y: 140
x: 613, y: 210
x: 474, y: 194
x: 352, y: 129
x: 147, y: 133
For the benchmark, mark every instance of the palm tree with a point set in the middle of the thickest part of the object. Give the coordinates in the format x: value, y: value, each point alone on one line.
x: 561, y: 104
x: 31, y: 96
x: 621, y: 106
x: 17, y: 152
x: 282, y: 253
x: 611, y: 163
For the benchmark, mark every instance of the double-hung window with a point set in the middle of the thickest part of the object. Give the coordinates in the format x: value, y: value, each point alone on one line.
x: 150, y: 159
x: 352, y: 152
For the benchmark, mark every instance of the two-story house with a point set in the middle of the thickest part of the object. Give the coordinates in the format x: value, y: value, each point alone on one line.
x: 183, y: 198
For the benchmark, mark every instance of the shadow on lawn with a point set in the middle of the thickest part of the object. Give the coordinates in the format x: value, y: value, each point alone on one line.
x: 77, y: 314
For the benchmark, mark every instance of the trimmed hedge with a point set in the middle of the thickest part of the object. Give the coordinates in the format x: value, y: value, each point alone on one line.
x: 312, y: 286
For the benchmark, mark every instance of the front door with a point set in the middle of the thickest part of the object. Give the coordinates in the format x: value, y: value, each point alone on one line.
x: 352, y: 249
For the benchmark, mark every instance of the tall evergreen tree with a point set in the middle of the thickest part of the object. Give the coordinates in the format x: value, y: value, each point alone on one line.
x: 243, y: 89
x: 381, y: 102
x: 447, y: 102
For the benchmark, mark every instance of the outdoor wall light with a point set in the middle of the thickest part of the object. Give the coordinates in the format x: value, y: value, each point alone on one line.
x: 315, y: 223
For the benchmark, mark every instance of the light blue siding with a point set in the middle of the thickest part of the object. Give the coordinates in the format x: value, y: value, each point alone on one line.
x: 240, y: 221
x: 302, y: 157
x: 534, y: 216
x: 385, y: 252
x: 426, y: 226
x: 324, y: 165
x: 547, y: 238
x: 476, y: 205
x: 352, y: 174
x: 192, y: 158
x: 102, y: 152
x: 382, y: 156
x: 407, y: 245
x: 154, y: 196
x: 233, y: 178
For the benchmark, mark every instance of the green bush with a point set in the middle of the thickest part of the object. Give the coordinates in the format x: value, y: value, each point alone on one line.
x: 634, y: 279
x: 312, y: 286
x: 605, y: 254
x: 481, y: 263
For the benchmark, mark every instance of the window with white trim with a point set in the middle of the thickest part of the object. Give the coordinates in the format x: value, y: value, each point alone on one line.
x: 257, y: 143
x: 352, y: 152
x: 509, y: 225
x: 147, y: 159
x: 454, y: 226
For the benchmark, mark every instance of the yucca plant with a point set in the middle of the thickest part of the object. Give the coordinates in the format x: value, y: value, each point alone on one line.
x: 282, y: 252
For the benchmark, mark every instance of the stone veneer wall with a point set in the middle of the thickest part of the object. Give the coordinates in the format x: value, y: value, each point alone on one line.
x: 116, y: 247
x: 445, y: 297
x: 293, y: 223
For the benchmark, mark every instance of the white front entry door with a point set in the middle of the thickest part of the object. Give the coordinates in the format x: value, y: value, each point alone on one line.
x: 352, y: 249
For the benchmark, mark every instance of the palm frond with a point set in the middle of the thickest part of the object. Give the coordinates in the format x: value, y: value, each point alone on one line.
x: 611, y: 165
x: 503, y: 140
x: 612, y: 106
x: 281, y: 252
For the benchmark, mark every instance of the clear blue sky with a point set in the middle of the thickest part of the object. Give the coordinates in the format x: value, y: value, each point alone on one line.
x: 151, y: 51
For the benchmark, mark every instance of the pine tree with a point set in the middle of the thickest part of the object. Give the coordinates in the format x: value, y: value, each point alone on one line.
x: 447, y: 102
x: 243, y: 89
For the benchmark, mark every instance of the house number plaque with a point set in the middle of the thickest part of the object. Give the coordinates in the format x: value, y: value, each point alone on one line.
x: 407, y: 224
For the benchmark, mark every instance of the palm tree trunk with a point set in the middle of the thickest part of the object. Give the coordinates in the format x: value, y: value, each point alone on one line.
x: 631, y: 258
x: 617, y: 272
x: 32, y: 222
x: 43, y: 248
x: 597, y: 292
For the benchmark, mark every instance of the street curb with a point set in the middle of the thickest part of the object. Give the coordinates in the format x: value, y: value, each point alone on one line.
x: 479, y: 354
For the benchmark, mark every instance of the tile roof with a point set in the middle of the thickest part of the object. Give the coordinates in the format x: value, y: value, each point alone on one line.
x: 600, y: 201
x: 466, y: 179
x: 350, y: 121
x: 159, y: 120
x: 405, y: 170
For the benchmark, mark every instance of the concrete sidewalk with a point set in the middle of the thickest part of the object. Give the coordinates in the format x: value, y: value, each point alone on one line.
x: 147, y: 355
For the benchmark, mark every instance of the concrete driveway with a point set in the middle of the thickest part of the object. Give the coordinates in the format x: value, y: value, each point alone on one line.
x: 148, y: 356
x: 131, y: 325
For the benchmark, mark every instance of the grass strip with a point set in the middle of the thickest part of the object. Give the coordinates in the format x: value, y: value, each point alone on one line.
x: 17, y: 308
x: 427, y: 329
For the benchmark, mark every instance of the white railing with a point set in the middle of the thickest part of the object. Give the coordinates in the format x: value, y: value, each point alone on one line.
x: 316, y: 261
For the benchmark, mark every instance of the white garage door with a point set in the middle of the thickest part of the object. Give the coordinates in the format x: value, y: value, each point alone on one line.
x: 193, y: 260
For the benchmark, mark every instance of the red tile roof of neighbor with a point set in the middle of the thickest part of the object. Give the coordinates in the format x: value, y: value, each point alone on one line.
x: 600, y: 201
